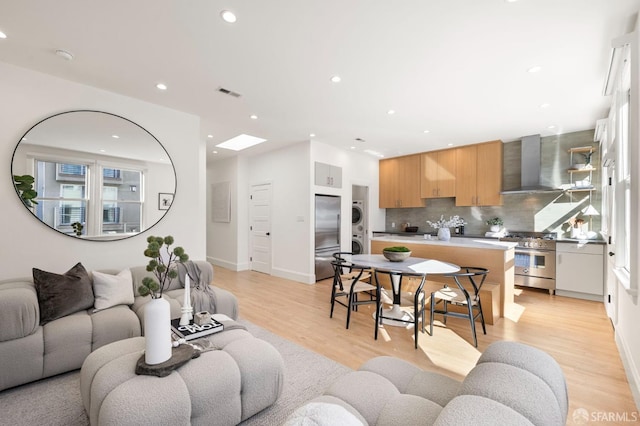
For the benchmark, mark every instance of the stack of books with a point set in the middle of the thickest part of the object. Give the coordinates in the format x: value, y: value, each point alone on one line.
x: 194, y: 331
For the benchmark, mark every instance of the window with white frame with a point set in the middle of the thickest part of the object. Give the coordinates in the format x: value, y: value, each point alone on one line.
x: 619, y: 199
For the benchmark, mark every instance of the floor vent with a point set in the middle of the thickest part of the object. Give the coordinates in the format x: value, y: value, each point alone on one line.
x: 228, y: 92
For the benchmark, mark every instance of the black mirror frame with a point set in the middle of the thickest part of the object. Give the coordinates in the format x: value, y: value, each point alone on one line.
x: 22, y: 201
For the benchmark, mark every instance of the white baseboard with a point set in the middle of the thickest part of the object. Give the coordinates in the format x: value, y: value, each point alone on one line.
x: 280, y: 273
x: 294, y: 276
x: 578, y: 295
x: 630, y: 369
x: 228, y: 265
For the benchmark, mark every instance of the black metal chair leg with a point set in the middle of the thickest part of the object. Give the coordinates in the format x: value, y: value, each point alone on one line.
x: 431, y: 316
x: 349, y: 309
x: 333, y: 301
x: 484, y: 328
x: 473, y: 325
x: 415, y: 322
x: 378, y: 307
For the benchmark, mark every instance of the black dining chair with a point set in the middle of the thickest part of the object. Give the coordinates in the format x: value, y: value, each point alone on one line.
x: 415, y: 300
x: 348, y: 283
x: 460, y: 296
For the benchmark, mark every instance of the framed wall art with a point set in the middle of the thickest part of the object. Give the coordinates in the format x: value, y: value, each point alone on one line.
x: 165, y: 200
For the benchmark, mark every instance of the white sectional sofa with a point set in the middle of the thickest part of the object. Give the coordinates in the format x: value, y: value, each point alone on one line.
x: 31, y: 350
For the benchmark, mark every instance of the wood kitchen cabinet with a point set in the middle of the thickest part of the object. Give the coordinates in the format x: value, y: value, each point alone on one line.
x: 438, y: 174
x: 479, y: 174
x: 400, y: 182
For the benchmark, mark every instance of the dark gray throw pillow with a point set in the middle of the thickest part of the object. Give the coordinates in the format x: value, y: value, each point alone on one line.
x: 61, y: 295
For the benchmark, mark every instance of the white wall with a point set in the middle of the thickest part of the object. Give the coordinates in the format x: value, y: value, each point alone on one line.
x: 222, y: 237
x: 290, y: 171
x: 30, y: 97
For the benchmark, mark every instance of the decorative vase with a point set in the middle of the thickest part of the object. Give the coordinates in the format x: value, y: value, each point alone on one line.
x: 444, y: 234
x: 575, y: 232
x: 157, y: 331
x: 495, y: 228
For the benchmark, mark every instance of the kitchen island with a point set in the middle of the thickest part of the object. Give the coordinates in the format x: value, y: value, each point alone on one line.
x: 497, y: 256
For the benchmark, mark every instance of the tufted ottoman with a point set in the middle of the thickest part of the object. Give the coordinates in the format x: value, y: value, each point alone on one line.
x: 222, y: 387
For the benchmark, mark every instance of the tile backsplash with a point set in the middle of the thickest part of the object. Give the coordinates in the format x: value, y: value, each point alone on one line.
x: 541, y: 212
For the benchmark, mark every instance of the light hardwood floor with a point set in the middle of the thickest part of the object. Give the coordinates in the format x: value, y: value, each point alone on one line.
x: 577, y: 333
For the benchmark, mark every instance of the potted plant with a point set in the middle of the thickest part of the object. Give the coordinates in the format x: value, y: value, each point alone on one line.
x: 24, y: 186
x: 157, y: 312
x: 396, y: 253
x: 77, y: 228
x: 444, y: 226
x: 495, y: 223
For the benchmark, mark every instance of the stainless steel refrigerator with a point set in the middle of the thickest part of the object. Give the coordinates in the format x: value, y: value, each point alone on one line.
x: 327, y: 234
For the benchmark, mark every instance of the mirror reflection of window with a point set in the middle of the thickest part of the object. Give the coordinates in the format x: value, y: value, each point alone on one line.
x: 121, y: 201
x: 64, y: 198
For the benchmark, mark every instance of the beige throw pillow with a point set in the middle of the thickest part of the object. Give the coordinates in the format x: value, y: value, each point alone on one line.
x: 111, y: 290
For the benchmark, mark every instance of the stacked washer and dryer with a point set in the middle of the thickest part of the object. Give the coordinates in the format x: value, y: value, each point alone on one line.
x: 358, y: 225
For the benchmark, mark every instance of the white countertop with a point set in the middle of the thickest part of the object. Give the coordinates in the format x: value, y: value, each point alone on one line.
x: 454, y: 242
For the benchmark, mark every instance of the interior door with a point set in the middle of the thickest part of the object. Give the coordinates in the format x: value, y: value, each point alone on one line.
x: 260, y: 231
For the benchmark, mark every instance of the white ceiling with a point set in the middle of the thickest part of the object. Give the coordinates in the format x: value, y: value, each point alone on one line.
x: 457, y: 68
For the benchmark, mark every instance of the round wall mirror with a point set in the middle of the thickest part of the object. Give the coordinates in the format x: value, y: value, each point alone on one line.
x: 93, y: 175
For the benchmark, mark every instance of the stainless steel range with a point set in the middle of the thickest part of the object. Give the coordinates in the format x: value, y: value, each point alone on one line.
x: 535, y: 262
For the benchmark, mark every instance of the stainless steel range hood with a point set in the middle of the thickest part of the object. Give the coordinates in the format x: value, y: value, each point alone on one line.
x: 530, y: 168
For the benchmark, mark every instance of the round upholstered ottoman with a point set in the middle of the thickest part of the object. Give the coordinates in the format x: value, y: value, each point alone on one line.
x: 243, y: 376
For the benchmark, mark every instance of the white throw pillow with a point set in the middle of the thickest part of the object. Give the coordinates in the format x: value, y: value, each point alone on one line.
x: 111, y: 290
x: 322, y: 414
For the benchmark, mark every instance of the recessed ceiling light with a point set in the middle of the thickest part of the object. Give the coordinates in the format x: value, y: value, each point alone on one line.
x: 210, y: 136
x: 391, y: 112
x: 115, y: 136
x: 254, y: 117
x: 545, y: 105
x: 551, y: 127
x: 228, y: 16
x: 449, y: 144
x: 375, y: 153
x: 426, y: 131
x: 161, y: 86
x: 336, y: 79
x: 241, y: 142
x: 215, y: 152
x: 535, y: 68
x: 353, y: 147
x: 312, y: 135
x: 64, y: 54
x: 2, y: 35
x: 102, y: 150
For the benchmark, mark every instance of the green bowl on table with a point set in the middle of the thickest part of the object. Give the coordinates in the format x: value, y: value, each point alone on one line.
x: 396, y: 253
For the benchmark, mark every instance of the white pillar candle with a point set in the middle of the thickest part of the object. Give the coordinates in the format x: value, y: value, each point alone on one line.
x: 187, y: 291
x: 186, y: 304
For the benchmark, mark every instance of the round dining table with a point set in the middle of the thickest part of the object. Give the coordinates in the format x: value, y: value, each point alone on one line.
x: 416, y: 265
